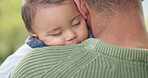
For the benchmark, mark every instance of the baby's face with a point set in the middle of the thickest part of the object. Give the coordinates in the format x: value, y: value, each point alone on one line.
x: 60, y: 25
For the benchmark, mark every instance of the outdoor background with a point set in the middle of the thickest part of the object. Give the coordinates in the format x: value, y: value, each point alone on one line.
x: 12, y: 29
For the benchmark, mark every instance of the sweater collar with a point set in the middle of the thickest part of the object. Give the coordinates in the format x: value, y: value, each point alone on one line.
x: 131, y: 54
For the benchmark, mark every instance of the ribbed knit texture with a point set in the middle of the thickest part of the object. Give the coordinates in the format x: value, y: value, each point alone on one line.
x: 89, y: 59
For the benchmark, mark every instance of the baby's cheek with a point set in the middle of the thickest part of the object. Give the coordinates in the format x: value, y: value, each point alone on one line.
x: 58, y: 42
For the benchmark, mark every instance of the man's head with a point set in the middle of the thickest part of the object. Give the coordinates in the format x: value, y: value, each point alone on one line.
x: 101, y: 13
x: 54, y: 22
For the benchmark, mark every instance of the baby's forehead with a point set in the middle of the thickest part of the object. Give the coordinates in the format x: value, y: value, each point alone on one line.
x: 48, y: 3
x: 41, y: 3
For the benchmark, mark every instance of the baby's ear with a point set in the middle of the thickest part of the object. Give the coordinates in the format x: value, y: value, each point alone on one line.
x: 81, y: 8
x: 33, y: 34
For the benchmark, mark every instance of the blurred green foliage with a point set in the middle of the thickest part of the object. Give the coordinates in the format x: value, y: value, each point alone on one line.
x: 12, y: 29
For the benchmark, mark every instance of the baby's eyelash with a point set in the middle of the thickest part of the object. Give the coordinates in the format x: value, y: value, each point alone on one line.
x: 57, y: 34
x: 77, y: 23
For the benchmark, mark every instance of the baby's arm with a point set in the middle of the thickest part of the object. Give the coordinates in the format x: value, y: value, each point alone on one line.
x: 8, y: 65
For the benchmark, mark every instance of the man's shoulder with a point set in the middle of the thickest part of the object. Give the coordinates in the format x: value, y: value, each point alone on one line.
x: 87, y: 43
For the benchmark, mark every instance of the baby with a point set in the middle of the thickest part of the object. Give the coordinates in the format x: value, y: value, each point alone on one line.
x: 54, y: 22
x: 49, y: 23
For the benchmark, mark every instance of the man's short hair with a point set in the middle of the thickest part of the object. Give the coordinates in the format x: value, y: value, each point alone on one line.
x: 113, y: 5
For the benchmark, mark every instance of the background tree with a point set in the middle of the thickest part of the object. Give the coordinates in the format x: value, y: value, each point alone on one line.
x: 12, y: 29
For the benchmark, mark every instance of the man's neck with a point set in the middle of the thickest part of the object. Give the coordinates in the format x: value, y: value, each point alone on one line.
x: 126, y: 30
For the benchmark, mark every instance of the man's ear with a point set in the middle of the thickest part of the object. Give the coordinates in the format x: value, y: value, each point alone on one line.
x: 81, y: 8
x: 33, y: 34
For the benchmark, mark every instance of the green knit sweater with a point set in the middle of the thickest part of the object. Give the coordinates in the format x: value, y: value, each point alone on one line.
x: 89, y: 59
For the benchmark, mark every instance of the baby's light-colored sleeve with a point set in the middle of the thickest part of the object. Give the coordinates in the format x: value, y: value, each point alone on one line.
x: 8, y: 65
